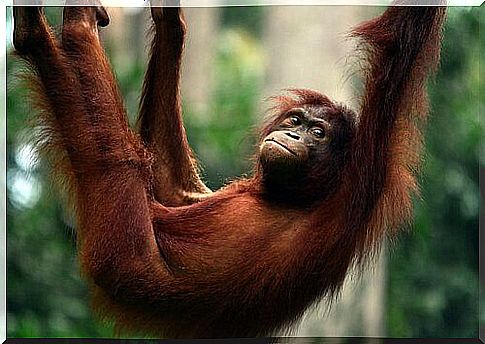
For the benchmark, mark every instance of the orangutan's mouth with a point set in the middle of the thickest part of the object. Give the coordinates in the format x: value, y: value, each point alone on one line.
x: 281, y: 145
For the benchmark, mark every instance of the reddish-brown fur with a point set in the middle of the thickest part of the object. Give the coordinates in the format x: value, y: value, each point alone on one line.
x: 163, y: 255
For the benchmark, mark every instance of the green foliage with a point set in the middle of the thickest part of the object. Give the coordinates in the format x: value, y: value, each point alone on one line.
x: 249, y: 18
x: 433, y: 271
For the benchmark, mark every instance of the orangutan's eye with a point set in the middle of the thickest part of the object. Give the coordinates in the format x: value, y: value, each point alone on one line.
x: 318, y: 132
x: 295, y: 120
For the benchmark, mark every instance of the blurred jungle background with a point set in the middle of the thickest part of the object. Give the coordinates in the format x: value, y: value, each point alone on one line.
x: 424, y: 285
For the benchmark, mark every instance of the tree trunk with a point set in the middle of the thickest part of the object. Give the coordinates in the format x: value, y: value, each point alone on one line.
x: 125, y: 37
x: 198, y: 65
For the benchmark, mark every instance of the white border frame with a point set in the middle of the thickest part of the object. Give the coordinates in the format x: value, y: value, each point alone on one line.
x: 124, y: 3
x: 224, y: 3
x: 3, y: 175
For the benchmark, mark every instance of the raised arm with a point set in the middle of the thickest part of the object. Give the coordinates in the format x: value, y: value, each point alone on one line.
x: 84, y: 116
x: 401, y: 49
x: 160, y: 119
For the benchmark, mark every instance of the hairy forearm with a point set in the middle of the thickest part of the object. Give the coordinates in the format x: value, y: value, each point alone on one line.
x: 160, y: 119
x: 402, y: 49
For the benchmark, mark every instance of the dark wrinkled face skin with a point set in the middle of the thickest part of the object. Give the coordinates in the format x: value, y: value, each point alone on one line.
x: 295, y: 140
x: 302, y: 151
x: 302, y: 134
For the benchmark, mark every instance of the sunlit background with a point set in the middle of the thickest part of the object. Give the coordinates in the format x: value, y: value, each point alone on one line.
x: 425, y: 285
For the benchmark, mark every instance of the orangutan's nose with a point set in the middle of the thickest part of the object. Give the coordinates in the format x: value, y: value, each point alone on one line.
x: 293, y: 135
